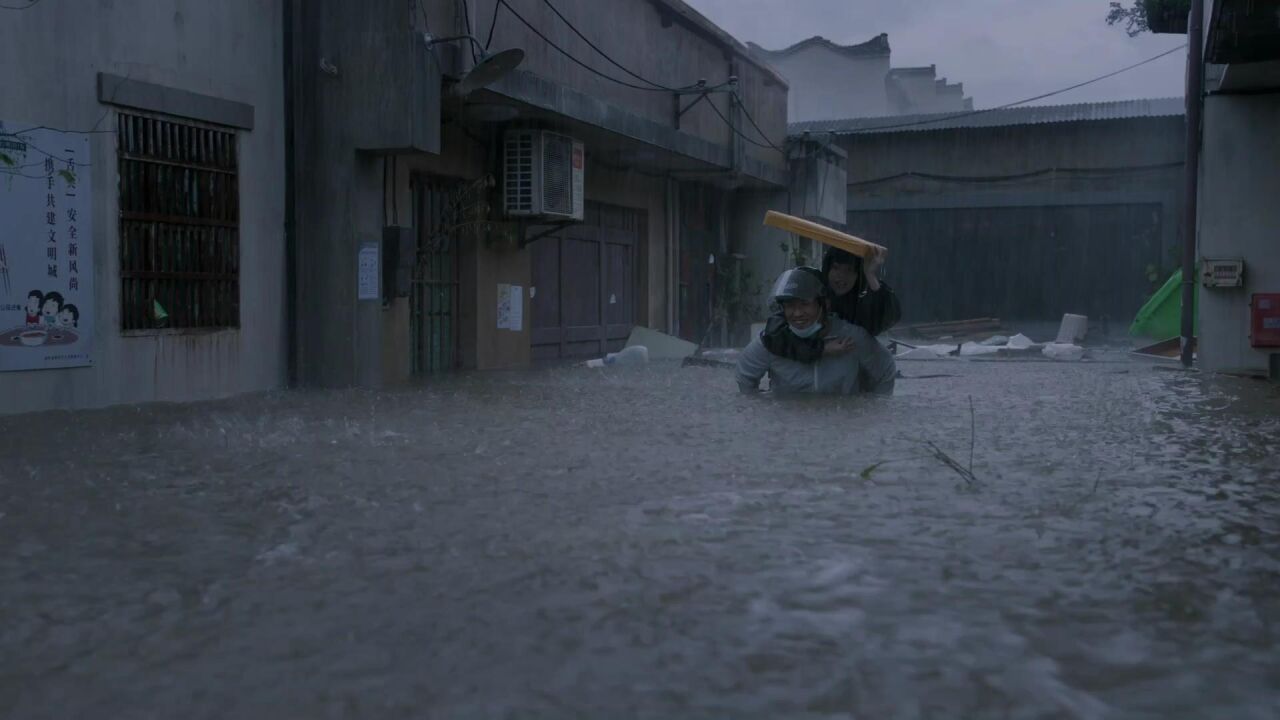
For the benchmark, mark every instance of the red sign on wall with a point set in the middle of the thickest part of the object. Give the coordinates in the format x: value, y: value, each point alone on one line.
x: 1264, y: 320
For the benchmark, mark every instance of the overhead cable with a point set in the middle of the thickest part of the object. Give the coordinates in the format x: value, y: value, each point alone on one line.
x: 971, y: 113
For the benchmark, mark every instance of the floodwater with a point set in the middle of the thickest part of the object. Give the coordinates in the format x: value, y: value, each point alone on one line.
x: 646, y: 543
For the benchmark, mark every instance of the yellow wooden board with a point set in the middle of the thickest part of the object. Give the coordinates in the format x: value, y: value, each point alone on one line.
x: 823, y: 234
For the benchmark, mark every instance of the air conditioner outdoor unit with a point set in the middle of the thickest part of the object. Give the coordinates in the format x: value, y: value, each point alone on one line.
x: 542, y: 175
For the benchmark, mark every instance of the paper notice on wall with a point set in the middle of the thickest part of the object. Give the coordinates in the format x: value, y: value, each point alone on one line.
x: 504, y: 306
x: 47, y: 301
x: 510, y: 307
x: 517, y: 308
x: 367, y: 280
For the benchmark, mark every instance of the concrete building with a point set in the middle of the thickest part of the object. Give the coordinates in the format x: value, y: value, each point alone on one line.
x: 1022, y: 213
x: 1239, y: 179
x: 334, y: 194
x: 162, y: 124
x: 483, y: 289
x: 829, y: 81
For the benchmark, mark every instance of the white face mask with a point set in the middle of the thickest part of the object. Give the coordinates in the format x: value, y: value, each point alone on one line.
x: 807, y: 332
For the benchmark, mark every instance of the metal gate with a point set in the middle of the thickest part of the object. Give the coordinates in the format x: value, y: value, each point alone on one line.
x: 1017, y: 263
x: 439, y: 212
x: 585, y: 278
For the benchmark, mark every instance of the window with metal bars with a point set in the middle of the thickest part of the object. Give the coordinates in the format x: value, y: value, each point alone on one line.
x: 179, y: 225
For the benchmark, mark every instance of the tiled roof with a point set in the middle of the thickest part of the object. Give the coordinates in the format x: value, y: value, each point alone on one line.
x: 878, y: 45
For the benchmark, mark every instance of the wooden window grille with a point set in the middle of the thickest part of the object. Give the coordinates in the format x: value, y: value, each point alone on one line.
x: 179, y: 225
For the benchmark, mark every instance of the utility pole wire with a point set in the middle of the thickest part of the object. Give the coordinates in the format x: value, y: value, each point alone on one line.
x: 957, y: 116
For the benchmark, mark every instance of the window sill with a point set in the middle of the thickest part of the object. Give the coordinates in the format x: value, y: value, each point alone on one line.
x: 176, y: 331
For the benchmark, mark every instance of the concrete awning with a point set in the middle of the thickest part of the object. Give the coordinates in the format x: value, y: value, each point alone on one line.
x: 617, y: 136
x: 1243, y: 31
x: 1242, y: 47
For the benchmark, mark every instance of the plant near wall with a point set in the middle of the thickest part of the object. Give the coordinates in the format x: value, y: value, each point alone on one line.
x: 793, y: 254
x: 737, y: 295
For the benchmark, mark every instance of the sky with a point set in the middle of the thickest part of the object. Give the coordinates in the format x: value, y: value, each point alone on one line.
x: 1002, y: 50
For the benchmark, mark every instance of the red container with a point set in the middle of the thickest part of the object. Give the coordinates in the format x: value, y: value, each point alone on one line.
x: 1264, y: 320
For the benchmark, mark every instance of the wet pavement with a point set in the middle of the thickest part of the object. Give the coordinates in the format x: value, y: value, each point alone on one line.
x: 646, y: 543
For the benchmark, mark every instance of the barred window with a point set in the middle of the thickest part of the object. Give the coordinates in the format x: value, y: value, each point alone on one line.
x: 179, y: 225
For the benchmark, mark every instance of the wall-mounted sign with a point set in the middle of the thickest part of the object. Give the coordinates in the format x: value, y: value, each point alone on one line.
x: 367, y: 265
x: 510, y: 307
x: 1222, y: 273
x: 1264, y: 320
x: 46, y: 250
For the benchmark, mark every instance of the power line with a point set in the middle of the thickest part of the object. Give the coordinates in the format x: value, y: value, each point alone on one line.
x: 422, y: 10
x: 10, y: 168
x: 738, y: 132
x: 28, y: 6
x: 493, y: 23
x: 957, y: 116
x: 763, y: 135
x: 606, y: 56
x: 466, y: 16
x: 576, y: 61
x: 44, y: 152
x: 93, y: 131
x: 656, y: 88
x: 67, y: 161
x: 752, y: 120
x: 10, y: 173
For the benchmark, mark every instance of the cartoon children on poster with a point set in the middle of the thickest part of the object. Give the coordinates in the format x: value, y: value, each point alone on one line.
x: 49, y: 320
x: 46, y: 249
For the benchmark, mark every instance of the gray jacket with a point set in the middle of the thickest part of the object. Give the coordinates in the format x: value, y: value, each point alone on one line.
x: 869, y: 368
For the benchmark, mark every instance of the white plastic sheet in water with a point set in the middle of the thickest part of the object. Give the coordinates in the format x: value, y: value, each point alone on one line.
x: 1063, y: 351
x: 1020, y: 342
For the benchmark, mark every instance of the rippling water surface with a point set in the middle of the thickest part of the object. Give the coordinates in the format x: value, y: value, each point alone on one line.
x: 646, y: 543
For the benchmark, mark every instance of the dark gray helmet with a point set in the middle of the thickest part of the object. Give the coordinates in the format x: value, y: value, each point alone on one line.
x: 802, y: 283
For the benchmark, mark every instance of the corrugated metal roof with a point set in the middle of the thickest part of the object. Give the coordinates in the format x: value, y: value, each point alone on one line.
x: 1030, y: 115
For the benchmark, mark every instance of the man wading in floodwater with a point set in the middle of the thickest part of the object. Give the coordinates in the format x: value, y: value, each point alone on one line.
x: 852, y: 360
x: 857, y: 295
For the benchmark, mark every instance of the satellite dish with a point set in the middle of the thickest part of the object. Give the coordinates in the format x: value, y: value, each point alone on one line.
x: 489, y: 70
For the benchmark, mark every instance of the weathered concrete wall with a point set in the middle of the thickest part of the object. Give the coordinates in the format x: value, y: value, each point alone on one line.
x: 344, y: 342
x: 231, y: 50
x: 500, y: 349
x: 340, y: 192
x: 1239, y: 216
x: 762, y: 245
x: 486, y: 263
x: 618, y: 186
x: 819, y: 182
x: 661, y: 44
x: 828, y: 85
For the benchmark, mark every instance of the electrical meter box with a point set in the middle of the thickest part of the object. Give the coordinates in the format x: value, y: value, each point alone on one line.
x: 1227, y: 272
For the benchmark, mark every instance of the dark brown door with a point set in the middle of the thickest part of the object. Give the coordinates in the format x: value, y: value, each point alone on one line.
x: 700, y: 220
x: 584, y: 286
